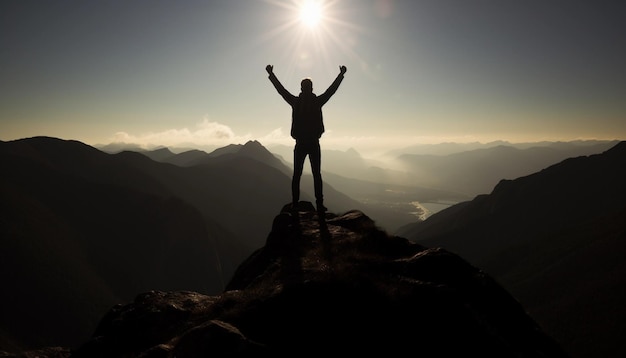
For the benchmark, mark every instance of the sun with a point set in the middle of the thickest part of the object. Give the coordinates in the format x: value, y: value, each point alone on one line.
x: 313, y: 33
x: 310, y: 13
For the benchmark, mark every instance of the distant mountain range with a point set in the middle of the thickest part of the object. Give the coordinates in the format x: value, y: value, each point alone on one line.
x: 477, y: 171
x: 556, y: 240
x: 447, y: 148
x: 446, y: 172
x: 439, y: 173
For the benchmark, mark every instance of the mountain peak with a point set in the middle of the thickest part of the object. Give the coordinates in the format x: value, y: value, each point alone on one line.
x: 160, y: 154
x: 253, y: 143
x: 336, y: 283
x: 255, y: 147
x: 251, y: 148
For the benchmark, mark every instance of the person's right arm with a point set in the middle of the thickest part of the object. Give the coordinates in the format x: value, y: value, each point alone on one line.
x: 279, y: 87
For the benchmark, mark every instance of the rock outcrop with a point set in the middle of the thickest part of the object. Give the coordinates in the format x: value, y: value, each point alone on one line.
x: 336, y: 284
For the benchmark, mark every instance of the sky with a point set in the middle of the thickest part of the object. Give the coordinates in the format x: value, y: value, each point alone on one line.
x: 192, y: 73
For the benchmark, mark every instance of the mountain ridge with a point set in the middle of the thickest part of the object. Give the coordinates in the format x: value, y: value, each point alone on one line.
x: 553, y: 239
x: 51, y: 177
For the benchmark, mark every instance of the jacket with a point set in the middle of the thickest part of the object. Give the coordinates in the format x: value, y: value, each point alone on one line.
x: 307, y: 122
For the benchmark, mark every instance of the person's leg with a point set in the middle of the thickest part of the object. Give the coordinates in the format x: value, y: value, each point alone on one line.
x: 299, y: 155
x: 315, y: 157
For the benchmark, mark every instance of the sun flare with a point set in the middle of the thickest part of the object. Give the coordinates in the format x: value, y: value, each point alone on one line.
x: 313, y: 34
x: 310, y: 13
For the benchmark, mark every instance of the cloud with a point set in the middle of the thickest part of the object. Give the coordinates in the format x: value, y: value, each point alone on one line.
x: 206, y: 133
x: 210, y: 135
x: 276, y: 137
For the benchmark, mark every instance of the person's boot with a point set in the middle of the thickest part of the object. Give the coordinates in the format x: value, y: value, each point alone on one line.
x: 294, y: 206
x: 320, y: 207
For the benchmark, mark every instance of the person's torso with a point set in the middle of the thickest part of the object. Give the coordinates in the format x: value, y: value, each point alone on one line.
x: 307, y: 121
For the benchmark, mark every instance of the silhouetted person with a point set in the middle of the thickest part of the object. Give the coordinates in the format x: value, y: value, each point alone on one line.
x: 307, y: 126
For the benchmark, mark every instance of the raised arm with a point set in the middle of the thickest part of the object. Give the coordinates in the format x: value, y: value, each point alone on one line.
x: 324, y: 97
x: 279, y: 87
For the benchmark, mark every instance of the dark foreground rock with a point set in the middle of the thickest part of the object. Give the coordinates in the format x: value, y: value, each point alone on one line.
x: 332, y: 285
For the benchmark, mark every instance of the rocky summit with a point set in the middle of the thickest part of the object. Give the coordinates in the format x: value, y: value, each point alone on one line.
x: 331, y: 283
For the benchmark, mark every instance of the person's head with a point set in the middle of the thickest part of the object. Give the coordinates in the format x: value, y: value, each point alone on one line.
x: 306, y: 86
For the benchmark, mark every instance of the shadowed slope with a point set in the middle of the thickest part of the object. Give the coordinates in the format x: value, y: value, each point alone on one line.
x: 554, y: 239
x: 77, y: 236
